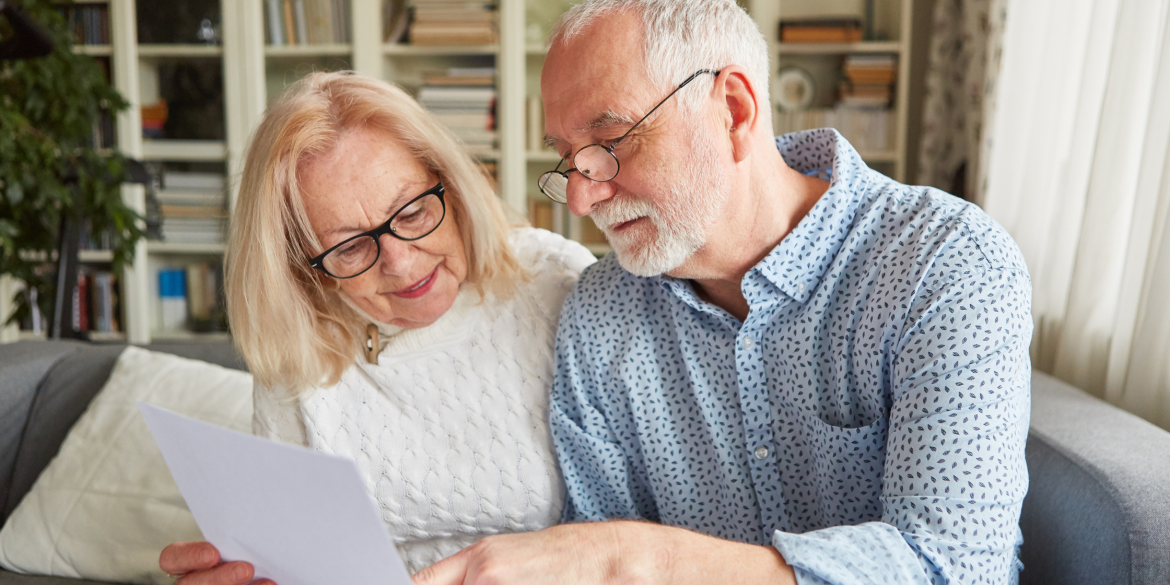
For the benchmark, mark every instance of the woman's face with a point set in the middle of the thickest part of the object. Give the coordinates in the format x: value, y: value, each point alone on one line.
x: 355, y: 188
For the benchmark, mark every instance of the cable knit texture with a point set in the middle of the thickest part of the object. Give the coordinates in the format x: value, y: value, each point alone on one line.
x: 450, y: 428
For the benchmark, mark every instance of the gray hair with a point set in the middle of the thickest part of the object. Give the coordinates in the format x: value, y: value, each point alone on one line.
x: 681, y: 37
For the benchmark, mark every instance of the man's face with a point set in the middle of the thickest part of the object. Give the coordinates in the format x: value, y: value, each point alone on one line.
x: 672, y: 185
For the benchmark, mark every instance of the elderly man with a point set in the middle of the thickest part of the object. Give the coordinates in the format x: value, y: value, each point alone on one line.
x: 801, y: 371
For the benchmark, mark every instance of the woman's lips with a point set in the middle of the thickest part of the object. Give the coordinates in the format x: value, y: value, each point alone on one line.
x: 419, y: 288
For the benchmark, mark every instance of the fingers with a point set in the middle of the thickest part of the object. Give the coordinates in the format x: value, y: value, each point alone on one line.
x: 449, y: 571
x: 233, y: 573
x: 184, y: 557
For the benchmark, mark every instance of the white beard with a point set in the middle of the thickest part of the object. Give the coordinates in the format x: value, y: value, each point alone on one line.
x: 690, y: 205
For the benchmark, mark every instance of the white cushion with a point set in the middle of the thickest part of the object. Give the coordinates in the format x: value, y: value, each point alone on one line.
x: 106, y: 505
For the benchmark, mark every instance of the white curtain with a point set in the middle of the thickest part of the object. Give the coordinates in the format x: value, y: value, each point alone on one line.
x: 1078, y: 170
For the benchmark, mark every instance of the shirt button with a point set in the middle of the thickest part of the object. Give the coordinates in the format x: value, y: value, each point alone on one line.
x: 761, y: 452
x: 800, y: 286
x: 747, y: 342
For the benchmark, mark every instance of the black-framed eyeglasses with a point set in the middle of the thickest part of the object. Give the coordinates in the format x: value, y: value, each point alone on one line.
x: 413, y: 221
x: 595, y: 161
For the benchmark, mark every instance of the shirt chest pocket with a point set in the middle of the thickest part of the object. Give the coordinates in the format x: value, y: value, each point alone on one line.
x: 848, y: 464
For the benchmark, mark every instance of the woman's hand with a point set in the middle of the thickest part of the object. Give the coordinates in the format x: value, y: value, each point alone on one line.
x: 198, y: 563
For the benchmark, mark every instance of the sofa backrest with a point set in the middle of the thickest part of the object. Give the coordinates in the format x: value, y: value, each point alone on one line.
x: 45, y: 386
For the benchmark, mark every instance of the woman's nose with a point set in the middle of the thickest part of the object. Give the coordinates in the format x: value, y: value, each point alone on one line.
x: 396, y: 257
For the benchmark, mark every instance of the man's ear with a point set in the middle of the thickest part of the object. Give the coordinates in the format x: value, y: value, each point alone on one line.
x: 742, y: 114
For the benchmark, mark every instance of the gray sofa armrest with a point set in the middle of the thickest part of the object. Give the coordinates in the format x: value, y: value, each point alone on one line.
x: 1098, y: 507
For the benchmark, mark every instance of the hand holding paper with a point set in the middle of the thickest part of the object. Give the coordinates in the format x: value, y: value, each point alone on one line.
x: 298, y: 516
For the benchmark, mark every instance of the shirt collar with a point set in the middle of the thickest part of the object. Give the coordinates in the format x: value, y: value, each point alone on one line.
x: 797, y: 264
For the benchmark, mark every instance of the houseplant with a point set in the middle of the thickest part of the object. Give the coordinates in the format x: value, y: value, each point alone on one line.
x: 51, y: 170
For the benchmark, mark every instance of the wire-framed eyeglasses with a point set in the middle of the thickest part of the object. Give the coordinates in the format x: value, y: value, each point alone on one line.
x: 597, y: 162
x: 414, y: 221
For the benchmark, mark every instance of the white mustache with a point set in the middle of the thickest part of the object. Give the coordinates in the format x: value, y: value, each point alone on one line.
x: 618, y: 211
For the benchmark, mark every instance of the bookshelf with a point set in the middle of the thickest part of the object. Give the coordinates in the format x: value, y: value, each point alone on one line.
x: 248, y: 70
x: 891, y: 36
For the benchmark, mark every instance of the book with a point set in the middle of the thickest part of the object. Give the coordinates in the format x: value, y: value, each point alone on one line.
x: 290, y: 32
x: 299, y: 22
x: 275, y: 24
x: 831, y: 30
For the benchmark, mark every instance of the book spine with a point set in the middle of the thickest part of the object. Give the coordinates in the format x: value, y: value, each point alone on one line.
x: 275, y: 32
x: 302, y: 30
x: 290, y: 33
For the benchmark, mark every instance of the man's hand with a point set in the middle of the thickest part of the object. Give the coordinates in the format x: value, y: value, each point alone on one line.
x: 608, y: 552
x: 198, y: 563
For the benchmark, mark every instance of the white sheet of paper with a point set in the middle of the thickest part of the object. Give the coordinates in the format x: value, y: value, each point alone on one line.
x: 299, y: 516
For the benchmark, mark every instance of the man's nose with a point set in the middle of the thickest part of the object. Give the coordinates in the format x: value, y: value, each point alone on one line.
x: 582, y: 194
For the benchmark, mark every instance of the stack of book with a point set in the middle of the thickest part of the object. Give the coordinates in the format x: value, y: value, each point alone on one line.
x: 867, y: 129
x: 191, y: 297
x: 95, y: 303
x: 464, y: 100
x: 90, y: 23
x: 192, y: 206
x: 869, y: 80
x: 307, y: 22
x: 452, y: 22
x: 821, y: 30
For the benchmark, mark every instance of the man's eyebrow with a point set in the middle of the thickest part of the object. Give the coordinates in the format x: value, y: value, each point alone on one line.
x: 606, y: 119
x: 603, y: 120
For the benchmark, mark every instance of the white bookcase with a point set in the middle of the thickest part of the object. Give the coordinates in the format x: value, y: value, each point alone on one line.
x: 892, y: 24
x: 254, y: 73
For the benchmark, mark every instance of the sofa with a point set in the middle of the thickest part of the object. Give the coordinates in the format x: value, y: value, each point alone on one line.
x: 1097, y: 511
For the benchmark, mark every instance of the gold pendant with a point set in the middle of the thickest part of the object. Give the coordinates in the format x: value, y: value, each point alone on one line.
x: 372, y: 344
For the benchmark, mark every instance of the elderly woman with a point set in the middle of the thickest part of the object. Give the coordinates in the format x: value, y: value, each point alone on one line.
x: 391, y: 316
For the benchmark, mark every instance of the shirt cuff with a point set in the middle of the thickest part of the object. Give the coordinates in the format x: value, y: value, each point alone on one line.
x: 867, y: 554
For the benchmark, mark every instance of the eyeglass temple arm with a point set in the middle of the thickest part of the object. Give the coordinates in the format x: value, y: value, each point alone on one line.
x: 664, y: 100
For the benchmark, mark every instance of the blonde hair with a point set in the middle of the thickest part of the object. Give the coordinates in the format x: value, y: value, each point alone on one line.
x: 288, y: 319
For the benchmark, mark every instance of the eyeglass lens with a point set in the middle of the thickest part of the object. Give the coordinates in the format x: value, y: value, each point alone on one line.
x: 414, y: 221
x: 596, y: 162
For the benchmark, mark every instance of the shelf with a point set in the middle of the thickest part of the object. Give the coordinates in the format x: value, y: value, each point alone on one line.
x: 835, y: 48
x: 95, y: 255
x: 156, y: 247
x: 184, y: 150
x: 93, y: 50
x: 424, y: 50
x: 318, y: 50
x: 180, y: 51
x: 189, y: 336
x: 26, y: 335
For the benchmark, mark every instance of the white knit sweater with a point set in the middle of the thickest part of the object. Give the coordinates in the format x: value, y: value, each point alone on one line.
x: 450, y: 428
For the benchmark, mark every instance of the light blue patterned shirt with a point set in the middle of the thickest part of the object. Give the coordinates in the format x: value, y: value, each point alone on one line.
x: 868, y: 417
